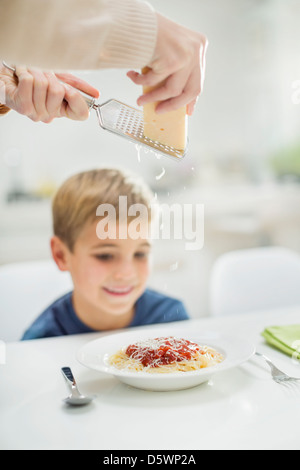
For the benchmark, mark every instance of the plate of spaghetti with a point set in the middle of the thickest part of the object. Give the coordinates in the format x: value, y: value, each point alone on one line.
x: 166, y: 358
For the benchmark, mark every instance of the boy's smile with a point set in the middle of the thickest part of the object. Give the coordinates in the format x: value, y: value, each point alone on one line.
x: 108, y: 276
x: 118, y: 291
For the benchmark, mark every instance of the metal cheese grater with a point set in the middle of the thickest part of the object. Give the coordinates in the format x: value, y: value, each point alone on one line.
x: 126, y: 121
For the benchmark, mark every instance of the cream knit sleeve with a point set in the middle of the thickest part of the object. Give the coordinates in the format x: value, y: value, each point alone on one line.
x: 77, y: 34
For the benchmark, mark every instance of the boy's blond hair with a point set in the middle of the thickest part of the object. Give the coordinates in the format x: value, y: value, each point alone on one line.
x: 76, y: 201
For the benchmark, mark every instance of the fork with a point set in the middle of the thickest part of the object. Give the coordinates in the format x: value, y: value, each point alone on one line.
x: 277, y: 375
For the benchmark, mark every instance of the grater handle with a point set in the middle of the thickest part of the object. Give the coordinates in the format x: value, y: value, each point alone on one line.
x: 91, y: 102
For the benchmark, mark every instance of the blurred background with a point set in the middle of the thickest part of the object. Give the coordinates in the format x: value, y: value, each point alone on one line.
x: 243, y: 162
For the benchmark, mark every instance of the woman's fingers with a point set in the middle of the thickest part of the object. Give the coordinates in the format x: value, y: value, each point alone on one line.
x: 189, y: 94
x: 79, y: 84
x: 171, y: 96
x: 39, y: 95
x: 44, y: 96
x: 74, y: 105
x: 151, y: 78
x: 21, y: 98
x: 34, y: 95
x: 176, y: 70
x: 191, y: 107
x: 55, y: 97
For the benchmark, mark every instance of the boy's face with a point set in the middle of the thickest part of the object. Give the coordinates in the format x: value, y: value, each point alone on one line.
x: 108, y: 275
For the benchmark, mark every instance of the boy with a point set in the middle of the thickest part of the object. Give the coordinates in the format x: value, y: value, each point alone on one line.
x: 109, y: 271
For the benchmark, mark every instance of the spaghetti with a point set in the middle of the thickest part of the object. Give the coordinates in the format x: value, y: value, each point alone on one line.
x: 165, y: 354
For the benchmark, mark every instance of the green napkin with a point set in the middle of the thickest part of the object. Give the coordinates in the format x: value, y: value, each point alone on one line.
x: 286, y: 338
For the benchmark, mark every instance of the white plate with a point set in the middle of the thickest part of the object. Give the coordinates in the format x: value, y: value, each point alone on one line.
x: 95, y: 355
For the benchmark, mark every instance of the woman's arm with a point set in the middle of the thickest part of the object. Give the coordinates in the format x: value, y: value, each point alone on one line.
x: 95, y: 34
x: 77, y: 34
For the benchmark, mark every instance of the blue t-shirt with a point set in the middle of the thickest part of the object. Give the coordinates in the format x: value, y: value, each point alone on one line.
x: 60, y: 318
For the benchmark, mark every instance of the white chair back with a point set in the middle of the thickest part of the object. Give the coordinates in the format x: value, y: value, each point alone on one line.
x: 255, y: 279
x: 26, y: 289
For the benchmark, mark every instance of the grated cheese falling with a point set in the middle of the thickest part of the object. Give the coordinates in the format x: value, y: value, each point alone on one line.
x: 158, y: 177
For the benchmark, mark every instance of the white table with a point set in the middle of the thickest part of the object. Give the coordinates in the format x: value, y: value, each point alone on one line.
x: 238, y: 409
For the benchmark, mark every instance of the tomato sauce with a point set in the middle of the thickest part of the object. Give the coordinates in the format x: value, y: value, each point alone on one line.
x: 162, y: 351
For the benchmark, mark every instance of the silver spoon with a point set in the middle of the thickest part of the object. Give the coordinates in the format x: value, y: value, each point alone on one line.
x: 75, y: 398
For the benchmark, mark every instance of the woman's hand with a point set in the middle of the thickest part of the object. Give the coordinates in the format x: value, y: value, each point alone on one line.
x: 178, y: 64
x: 44, y: 96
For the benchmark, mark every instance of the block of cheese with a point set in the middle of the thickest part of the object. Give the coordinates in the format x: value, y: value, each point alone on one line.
x: 169, y: 128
